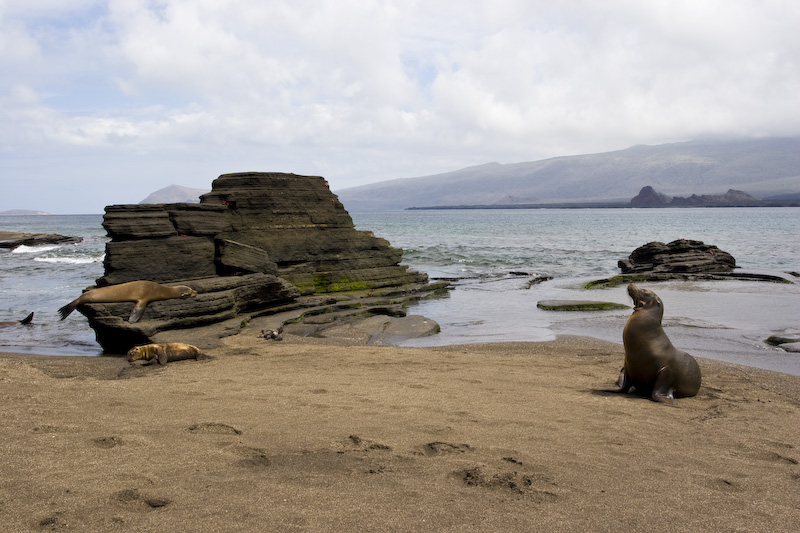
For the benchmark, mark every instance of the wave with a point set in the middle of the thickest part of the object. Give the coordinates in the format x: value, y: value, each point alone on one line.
x: 70, y: 260
x: 23, y: 249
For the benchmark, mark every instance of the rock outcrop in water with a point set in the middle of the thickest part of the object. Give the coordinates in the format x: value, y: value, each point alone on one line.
x: 680, y: 256
x: 258, y: 244
x: 649, y: 197
x: 13, y: 239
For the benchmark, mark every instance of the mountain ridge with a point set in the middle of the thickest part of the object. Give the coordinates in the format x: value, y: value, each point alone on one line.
x: 760, y: 167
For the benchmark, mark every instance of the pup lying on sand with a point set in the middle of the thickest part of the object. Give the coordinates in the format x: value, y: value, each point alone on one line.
x: 164, y: 353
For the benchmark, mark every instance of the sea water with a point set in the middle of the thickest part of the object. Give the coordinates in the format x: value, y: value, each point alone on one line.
x: 490, y: 256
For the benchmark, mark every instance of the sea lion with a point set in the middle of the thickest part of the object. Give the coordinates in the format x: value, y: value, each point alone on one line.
x: 653, y: 366
x: 141, y: 292
x: 164, y: 353
x: 24, y: 322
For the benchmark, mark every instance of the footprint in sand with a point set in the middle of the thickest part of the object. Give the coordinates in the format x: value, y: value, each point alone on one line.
x: 133, y: 495
x: 107, y: 442
x: 214, y: 427
x: 530, y: 485
x: 440, y: 448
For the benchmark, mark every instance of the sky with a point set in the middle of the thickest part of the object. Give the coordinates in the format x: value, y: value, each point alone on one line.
x: 104, y: 102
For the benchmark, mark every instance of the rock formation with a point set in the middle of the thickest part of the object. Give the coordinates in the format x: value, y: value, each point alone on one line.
x: 649, y: 197
x: 679, y: 256
x: 258, y: 243
x: 12, y: 239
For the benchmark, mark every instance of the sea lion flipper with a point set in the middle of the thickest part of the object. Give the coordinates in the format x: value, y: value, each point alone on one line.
x: 137, y: 312
x: 27, y: 320
x: 663, y: 388
x: 67, y: 309
x: 161, y: 353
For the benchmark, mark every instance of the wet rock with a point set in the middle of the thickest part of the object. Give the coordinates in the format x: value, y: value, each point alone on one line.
x: 13, y: 239
x: 680, y: 256
x: 579, y: 305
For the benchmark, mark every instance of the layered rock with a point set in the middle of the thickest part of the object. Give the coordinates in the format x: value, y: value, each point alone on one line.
x: 257, y: 241
x: 680, y: 256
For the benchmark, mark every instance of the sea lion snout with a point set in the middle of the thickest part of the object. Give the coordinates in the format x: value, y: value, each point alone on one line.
x: 187, y: 292
x: 642, y: 297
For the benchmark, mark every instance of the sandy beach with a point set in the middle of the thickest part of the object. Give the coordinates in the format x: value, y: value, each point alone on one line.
x: 301, y: 435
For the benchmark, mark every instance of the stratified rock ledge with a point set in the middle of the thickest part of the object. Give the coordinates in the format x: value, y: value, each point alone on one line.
x: 258, y: 244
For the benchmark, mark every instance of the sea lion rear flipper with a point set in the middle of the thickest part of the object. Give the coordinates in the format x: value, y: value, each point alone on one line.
x: 27, y: 320
x: 624, y: 383
x: 137, y: 312
x: 67, y: 309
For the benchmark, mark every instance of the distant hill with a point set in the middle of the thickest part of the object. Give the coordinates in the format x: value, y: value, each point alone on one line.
x: 18, y: 212
x: 175, y: 194
x: 759, y: 167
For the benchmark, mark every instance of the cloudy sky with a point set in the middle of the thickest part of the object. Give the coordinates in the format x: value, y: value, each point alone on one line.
x: 104, y: 102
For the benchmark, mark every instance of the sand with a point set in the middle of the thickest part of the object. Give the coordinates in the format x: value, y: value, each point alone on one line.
x: 303, y: 436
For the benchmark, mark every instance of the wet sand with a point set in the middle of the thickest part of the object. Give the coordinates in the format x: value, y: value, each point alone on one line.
x: 307, y: 436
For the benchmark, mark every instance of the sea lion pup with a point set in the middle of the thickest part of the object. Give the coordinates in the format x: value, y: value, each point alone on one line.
x: 164, y: 353
x: 24, y: 322
x: 653, y: 366
x: 141, y: 292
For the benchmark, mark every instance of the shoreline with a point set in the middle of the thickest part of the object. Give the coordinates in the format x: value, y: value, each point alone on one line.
x: 318, y: 436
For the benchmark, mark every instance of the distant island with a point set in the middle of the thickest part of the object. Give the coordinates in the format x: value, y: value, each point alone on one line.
x: 648, y: 197
x: 20, y: 212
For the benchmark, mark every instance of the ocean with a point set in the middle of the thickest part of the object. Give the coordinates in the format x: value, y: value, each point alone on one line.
x: 490, y: 256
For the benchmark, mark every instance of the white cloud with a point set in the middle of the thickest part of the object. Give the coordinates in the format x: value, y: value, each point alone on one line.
x: 361, y: 90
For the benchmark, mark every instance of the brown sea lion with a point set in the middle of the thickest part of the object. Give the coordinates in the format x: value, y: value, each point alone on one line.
x: 164, y: 353
x: 653, y: 366
x: 141, y: 292
x: 24, y: 322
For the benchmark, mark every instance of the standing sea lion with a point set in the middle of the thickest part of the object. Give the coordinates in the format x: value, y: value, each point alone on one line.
x: 164, y: 353
x: 653, y: 366
x: 24, y: 322
x: 141, y: 292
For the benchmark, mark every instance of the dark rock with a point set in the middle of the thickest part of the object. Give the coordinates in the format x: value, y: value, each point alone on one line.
x: 680, y: 256
x: 254, y: 244
x: 12, y: 239
x: 648, y: 197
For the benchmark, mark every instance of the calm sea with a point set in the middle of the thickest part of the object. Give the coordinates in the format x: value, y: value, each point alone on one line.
x: 486, y: 252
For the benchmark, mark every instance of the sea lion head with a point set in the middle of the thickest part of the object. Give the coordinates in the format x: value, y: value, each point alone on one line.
x: 140, y: 352
x: 185, y: 292
x: 644, y: 298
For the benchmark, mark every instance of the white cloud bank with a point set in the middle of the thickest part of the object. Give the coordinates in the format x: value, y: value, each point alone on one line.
x: 104, y: 102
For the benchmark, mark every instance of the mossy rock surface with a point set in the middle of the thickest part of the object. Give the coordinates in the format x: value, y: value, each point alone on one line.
x: 579, y: 305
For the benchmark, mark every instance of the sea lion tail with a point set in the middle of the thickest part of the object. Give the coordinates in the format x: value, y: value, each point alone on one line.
x: 27, y: 320
x: 67, y: 309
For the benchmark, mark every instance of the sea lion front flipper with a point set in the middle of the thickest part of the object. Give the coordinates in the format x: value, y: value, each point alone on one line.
x: 163, y: 358
x: 137, y: 311
x: 663, y: 388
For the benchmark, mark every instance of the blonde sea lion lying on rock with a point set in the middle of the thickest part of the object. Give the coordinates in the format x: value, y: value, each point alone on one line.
x: 24, y: 322
x: 141, y: 292
x: 653, y: 366
x: 164, y: 353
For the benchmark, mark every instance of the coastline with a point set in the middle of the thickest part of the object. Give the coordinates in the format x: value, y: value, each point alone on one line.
x: 308, y: 435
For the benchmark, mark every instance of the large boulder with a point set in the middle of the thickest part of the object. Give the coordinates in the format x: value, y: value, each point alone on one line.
x: 680, y: 256
x: 255, y: 242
